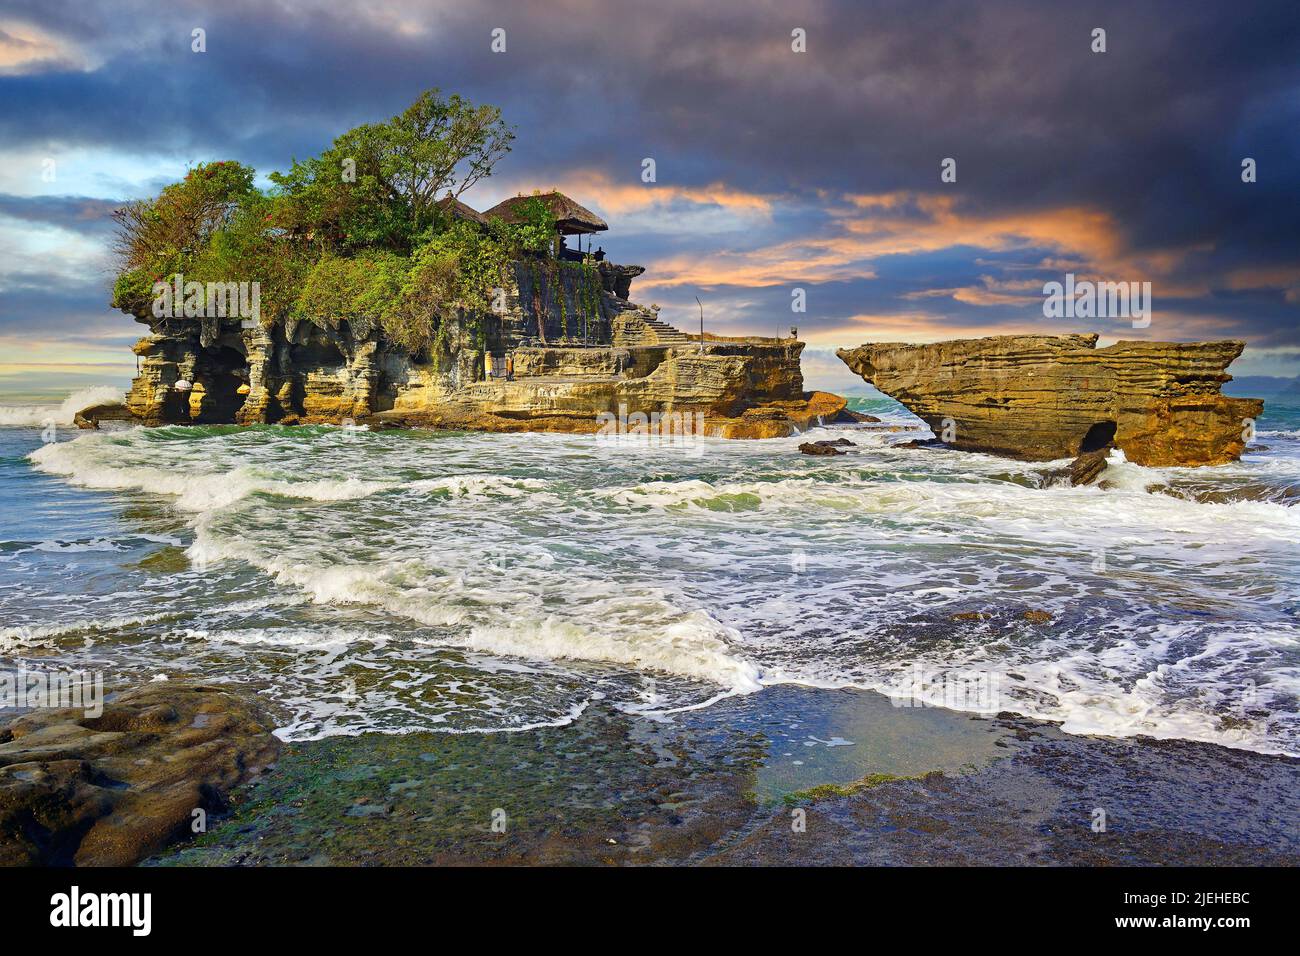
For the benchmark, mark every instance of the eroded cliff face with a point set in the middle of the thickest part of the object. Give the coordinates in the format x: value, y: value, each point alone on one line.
x: 740, y: 391
x: 576, y: 351
x: 256, y: 374
x: 1043, y: 397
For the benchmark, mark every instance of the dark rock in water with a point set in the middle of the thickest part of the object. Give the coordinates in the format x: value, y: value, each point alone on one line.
x: 826, y: 447
x: 1181, y: 803
x: 1032, y: 615
x: 1041, y: 397
x: 92, y: 415
x: 1084, y: 470
x: 112, y: 789
x: 848, y: 416
x: 1248, y: 491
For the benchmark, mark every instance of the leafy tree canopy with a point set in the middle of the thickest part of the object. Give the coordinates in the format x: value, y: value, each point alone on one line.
x: 354, y: 234
x: 379, y: 184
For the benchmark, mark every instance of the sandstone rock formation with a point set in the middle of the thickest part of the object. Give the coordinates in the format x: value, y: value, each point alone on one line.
x: 1043, y: 397
x: 92, y: 415
x: 112, y: 789
x: 574, y: 352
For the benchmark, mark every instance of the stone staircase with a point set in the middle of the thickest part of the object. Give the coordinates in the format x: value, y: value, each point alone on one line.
x: 666, y: 334
x: 643, y: 327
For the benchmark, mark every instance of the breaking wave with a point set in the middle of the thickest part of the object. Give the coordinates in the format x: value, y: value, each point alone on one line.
x: 82, y: 463
x: 497, y: 582
x: 40, y: 415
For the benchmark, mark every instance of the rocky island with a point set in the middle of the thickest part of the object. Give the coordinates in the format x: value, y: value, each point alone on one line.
x: 567, y: 347
x: 350, y: 293
x: 1043, y: 397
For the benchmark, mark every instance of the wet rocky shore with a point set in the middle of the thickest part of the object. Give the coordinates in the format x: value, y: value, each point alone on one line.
x: 788, y: 776
x: 110, y: 784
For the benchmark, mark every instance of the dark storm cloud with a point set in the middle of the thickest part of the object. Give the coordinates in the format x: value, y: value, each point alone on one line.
x: 36, y: 307
x: 1150, y: 134
x: 74, y: 213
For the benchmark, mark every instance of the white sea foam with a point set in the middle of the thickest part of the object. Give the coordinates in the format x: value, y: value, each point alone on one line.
x: 62, y: 414
x: 472, y: 485
x: 1123, y: 474
x: 83, y: 462
x: 639, y: 630
x: 95, y: 544
x: 1123, y: 506
x: 499, y: 582
x: 44, y: 635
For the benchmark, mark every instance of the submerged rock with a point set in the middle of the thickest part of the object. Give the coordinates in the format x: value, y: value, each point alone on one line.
x: 1040, y: 397
x: 848, y: 416
x: 826, y: 447
x: 1084, y: 470
x: 112, y: 789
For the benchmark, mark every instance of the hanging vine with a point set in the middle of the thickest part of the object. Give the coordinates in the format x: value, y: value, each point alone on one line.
x: 563, y: 297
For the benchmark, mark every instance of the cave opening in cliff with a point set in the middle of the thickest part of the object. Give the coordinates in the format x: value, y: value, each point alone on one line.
x: 317, y: 353
x: 220, y: 374
x: 1099, y: 436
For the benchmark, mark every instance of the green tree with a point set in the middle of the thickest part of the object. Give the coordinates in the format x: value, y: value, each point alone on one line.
x: 355, y: 234
x: 162, y: 234
x: 379, y: 184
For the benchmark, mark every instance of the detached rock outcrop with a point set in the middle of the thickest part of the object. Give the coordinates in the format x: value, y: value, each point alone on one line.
x: 92, y: 415
x: 826, y: 447
x: 113, y: 789
x: 1043, y: 397
x: 1084, y: 470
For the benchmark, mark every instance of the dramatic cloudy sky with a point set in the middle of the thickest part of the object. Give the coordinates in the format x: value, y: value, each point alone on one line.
x: 776, y: 170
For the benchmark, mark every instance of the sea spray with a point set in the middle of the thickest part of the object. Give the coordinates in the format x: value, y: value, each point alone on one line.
x: 492, y: 582
x: 63, y: 413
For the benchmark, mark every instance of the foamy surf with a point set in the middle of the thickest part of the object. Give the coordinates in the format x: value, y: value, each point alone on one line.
x: 641, y: 630
x: 61, y: 414
x: 197, y: 490
x: 472, y: 583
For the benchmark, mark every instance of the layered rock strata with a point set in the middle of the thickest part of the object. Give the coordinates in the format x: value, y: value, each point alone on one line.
x: 563, y: 356
x: 1044, y: 397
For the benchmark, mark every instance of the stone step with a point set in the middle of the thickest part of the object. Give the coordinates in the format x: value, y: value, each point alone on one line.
x: 667, y: 334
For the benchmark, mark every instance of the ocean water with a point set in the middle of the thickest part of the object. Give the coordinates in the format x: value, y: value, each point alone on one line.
x: 399, y: 581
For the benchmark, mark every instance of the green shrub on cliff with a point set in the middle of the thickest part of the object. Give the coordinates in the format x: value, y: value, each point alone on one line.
x: 359, y: 290
x: 454, y: 273
x: 356, y: 234
x: 163, y: 234
x: 378, y: 185
x: 133, y: 290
